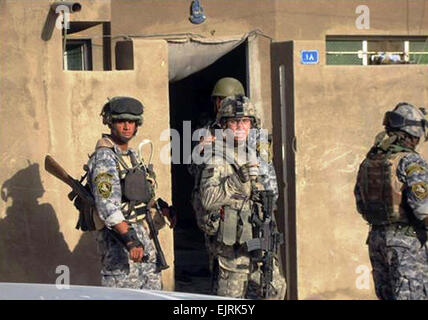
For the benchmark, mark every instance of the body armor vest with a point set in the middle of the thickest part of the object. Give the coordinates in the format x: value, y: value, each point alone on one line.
x: 236, y: 227
x: 380, y: 193
x: 135, y: 185
x: 134, y: 181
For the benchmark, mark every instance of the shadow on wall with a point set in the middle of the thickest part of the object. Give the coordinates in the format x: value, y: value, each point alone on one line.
x: 31, y: 244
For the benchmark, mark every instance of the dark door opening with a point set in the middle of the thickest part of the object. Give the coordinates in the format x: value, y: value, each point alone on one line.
x: 190, y: 100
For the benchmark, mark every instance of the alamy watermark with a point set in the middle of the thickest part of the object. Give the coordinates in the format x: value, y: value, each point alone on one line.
x: 63, y: 19
x: 363, y: 20
x: 63, y: 280
x: 363, y: 280
x: 206, y: 145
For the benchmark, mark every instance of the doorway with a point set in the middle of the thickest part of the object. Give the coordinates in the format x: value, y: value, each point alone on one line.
x: 190, y: 100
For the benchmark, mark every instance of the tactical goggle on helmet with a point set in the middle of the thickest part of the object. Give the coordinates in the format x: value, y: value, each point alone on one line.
x: 394, y: 120
x: 237, y: 107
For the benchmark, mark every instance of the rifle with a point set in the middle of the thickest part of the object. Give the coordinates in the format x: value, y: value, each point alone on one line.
x: 56, y: 170
x: 267, y: 241
x: 160, y: 257
x: 78, y: 189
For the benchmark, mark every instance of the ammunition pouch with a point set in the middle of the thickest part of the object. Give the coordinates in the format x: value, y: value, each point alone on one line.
x: 136, y: 187
x: 235, y: 227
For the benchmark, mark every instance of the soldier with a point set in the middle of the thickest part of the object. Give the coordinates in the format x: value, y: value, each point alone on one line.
x: 224, y: 87
x: 117, y: 178
x: 225, y: 195
x: 392, y: 196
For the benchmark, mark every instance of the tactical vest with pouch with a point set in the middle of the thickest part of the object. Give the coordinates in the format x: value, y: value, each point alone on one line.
x: 136, y: 188
x: 379, y: 193
x: 236, y: 226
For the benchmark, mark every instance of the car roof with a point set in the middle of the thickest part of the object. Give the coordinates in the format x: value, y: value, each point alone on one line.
x: 37, y: 291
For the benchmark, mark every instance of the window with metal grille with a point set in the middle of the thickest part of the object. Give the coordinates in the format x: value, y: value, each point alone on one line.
x: 78, y: 55
x: 376, y: 50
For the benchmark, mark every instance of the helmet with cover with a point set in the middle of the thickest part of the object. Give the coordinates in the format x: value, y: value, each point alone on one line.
x: 406, y: 117
x: 237, y: 107
x: 122, y: 108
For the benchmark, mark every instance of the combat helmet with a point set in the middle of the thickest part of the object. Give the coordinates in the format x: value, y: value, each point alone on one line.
x: 228, y: 87
x: 407, y: 118
x: 122, y: 108
x: 237, y: 107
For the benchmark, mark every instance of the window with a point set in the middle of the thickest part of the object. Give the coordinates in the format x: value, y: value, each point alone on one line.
x: 341, y: 52
x: 78, y: 55
x: 376, y: 50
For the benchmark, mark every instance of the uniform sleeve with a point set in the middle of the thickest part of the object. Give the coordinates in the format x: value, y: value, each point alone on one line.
x: 218, y: 189
x: 271, y: 181
x: 105, y: 186
x: 413, y: 172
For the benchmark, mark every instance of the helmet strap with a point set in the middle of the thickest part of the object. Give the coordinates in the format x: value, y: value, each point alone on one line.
x: 404, y: 139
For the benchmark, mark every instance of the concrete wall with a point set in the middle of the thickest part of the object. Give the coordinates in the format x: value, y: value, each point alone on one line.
x: 314, y: 19
x: 279, y: 19
x: 338, y: 112
x: 56, y: 112
x: 224, y: 18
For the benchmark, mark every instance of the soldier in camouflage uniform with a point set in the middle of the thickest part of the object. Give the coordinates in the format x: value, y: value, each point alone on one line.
x: 224, y: 87
x: 225, y: 190
x: 258, y: 140
x: 392, y: 196
x: 128, y: 256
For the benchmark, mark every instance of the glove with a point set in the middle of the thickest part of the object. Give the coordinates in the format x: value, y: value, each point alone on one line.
x: 130, y: 239
x: 246, y: 171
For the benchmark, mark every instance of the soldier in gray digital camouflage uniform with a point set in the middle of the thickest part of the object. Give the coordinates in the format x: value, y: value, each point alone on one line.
x: 127, y: 254
x: 225, y: 190
x: 392, y: 195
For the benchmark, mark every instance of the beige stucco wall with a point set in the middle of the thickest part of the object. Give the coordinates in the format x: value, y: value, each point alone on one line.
x: 338, y: 112
x: 224, y: 18
x: 280, y: 19
x: 56, y: 112
x: 314, y: 19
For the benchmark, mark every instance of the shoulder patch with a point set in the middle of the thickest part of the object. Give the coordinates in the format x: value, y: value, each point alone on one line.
x: 420, y: 190
x: 414, y: 168
x: 104, y: 184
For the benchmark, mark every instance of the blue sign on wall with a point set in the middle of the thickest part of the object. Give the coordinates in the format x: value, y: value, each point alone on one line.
x: 309, y: 56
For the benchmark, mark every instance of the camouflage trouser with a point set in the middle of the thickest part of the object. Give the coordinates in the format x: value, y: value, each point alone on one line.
x: 236, y: 277
x: 400, y: 264
x: 121, y: 272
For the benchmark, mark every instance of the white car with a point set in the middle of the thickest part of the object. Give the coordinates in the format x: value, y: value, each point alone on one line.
x: 36, y: 291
